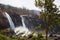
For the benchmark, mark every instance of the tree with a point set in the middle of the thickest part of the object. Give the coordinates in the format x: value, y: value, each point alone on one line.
x: 49, y: 13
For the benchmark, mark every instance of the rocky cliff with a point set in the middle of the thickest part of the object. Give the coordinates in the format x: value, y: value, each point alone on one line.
x: 14, y: 14
x: 3, y: 21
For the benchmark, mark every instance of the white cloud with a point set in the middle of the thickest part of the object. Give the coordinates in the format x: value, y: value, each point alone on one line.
x: 29, y: 4
x: 57, y: 2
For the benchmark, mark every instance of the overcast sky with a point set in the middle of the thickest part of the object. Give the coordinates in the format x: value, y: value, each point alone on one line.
x: 29, y: 4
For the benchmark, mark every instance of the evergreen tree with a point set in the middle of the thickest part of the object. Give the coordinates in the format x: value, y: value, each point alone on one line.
x: 49, y: 14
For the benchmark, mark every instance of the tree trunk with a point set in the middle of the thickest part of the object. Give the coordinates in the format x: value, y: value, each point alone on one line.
x: 47, y: 33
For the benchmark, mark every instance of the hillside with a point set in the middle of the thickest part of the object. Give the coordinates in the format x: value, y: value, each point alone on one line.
x: 14, y: 13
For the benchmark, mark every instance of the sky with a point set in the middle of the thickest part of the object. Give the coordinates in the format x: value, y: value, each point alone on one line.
x: 57, y: 2
x: 29, y: 4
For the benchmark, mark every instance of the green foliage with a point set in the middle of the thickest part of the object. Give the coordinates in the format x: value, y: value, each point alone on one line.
x: 2, y: 37
x: 39, y: 3
x: 49, y: 6
x: 38, y: 27
x: 50, y: 14
x: 30, y: 37
x: 38, y: 37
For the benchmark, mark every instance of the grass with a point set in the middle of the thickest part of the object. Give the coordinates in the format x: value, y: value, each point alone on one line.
x: 4, y: 37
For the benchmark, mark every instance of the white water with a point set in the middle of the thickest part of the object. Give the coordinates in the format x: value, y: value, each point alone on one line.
x: 10, y: 21
x: 22, y: 29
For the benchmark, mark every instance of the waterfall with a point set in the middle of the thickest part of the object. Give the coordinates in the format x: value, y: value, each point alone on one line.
x: 10, y: 21
x: 19, y: 29
x: 23, y: 21
x: 22, y: 29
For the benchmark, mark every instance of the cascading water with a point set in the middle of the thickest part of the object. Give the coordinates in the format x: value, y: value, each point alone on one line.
x: 10, y: 21
x: 23, y: 21
x: 24, y: 26
x: 22, y: 29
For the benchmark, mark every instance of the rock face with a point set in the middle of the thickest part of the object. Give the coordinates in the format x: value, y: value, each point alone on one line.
x: 3, y: 22
x: 31, y: 22
x: 16, y: 19
x: 14, y: 14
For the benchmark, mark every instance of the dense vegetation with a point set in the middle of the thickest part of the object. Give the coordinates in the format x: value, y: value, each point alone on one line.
x: 50, y: 14
x: 30, y: 37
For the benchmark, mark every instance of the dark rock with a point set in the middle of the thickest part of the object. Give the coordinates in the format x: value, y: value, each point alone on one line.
x: 3, y: 22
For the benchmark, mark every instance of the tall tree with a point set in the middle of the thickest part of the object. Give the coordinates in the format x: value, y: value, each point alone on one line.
x: 49, y: 14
